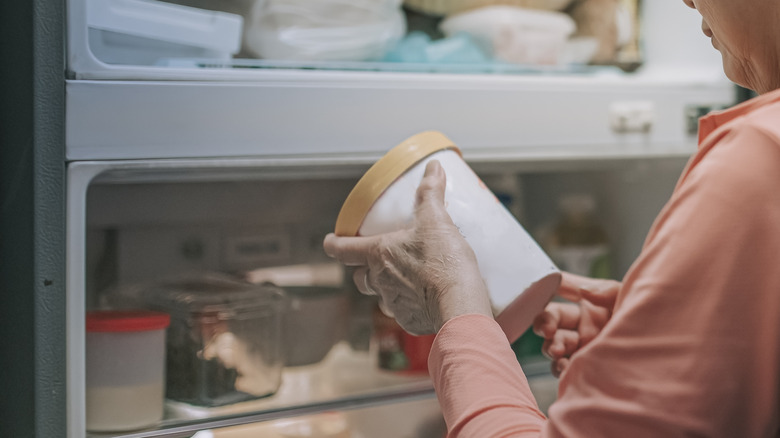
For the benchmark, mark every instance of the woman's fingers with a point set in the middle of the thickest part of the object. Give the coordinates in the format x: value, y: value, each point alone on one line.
x: 360, y: 278
x: 563, y: 344
x: 350, y: 251
x: 556, y: 316
x: 430, y: 255
x: 572, y: 285
x: 559, y: 366
x: 596, y: 290
x: 385, y: 309
x: 603, y: 295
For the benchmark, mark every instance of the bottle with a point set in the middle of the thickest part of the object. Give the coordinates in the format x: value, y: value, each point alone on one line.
x: 388, y: 337
x: 579, y: 243
x: 509, y: 191
x: 398, y: 350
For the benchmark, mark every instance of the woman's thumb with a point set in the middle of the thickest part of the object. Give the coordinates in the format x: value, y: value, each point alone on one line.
x: 432, y: 186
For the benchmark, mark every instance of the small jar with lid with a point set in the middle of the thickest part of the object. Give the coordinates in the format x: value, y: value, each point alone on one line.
x: 520, y: 278
x: 125, y: 369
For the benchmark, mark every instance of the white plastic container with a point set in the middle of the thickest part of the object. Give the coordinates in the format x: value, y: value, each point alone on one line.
x: 147, y: 32
x: 520, y: 277
x: 125, y: 369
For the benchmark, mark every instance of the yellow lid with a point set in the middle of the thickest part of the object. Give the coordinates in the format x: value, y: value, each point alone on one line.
x: 379, y: 177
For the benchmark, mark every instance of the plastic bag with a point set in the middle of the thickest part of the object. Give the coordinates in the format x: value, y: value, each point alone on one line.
x: 451, y: 7
x: 324, y: 30
x: 517, y: 35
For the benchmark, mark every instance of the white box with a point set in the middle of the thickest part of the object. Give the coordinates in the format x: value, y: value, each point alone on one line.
x: 145, y: 32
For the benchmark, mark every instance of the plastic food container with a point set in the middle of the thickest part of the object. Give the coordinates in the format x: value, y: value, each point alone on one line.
x: 316, y: 320
x: 125, y: 370
x: 224, y: 344
x: 520, y: 277
x: 146, y: 32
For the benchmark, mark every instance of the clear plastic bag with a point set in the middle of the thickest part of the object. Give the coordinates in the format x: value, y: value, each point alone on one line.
x: 324, y: 30
x: 516, y: 35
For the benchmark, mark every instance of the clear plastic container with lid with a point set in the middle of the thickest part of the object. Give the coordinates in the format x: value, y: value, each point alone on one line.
x: 520, y: 277
x: 125, y: 369
x: 224, y: 344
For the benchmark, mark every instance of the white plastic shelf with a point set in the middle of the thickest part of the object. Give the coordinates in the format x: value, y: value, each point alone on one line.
x: 349, y: 114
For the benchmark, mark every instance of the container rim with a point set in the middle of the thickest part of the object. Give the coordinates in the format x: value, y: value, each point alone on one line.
x: 383, y: 173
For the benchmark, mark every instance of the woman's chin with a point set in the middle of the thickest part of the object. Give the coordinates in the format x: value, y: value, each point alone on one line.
x: 735, y: 73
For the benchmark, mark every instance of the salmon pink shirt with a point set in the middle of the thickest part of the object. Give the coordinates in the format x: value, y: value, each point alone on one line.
x: 693, y: 346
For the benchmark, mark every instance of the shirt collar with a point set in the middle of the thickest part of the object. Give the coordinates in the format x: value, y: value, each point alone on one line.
x: 716, y: 119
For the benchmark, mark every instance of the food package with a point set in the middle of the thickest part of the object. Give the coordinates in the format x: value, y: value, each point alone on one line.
x: 598, y: 19
x: 514, y: 34
x: 450, y: 7
x: 324, y: 30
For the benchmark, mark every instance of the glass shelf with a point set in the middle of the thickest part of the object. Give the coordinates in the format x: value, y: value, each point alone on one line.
x: 345, y: 379
x: 392, y: 67
x: 421, y: 419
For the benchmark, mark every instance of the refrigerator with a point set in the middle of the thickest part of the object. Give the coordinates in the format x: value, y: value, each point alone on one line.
x: 241, y: 167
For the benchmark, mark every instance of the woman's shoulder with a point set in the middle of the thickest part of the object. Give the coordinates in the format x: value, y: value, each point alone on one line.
x: 754, y: 127
x: 763, y: 119
x: 742, y: 153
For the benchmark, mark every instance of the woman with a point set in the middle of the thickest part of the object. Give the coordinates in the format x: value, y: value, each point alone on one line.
x: 687, y: 345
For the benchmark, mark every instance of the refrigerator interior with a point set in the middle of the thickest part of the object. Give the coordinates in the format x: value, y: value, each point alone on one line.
x: 141, y: 230
x: 176, y: 169
x: 150, y: 223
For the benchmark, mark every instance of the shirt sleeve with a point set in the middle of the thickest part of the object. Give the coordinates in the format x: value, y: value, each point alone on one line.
x: 692, y: 347
x: 480, y: 384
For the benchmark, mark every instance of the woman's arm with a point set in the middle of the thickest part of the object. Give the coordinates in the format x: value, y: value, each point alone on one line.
x: 481, y: 386
x: 691, y: 348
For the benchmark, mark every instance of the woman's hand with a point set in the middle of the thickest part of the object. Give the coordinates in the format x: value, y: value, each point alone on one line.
x: 567, y: 327
x: 424, y: 275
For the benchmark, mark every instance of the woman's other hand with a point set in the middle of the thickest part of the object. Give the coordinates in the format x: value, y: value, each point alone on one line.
x: 424, y: 275
x: 567, y: 327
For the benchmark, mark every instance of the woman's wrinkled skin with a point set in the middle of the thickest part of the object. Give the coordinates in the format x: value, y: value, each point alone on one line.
x: 427, y: 274
x: 738, y: 30
x: 424, y: 275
